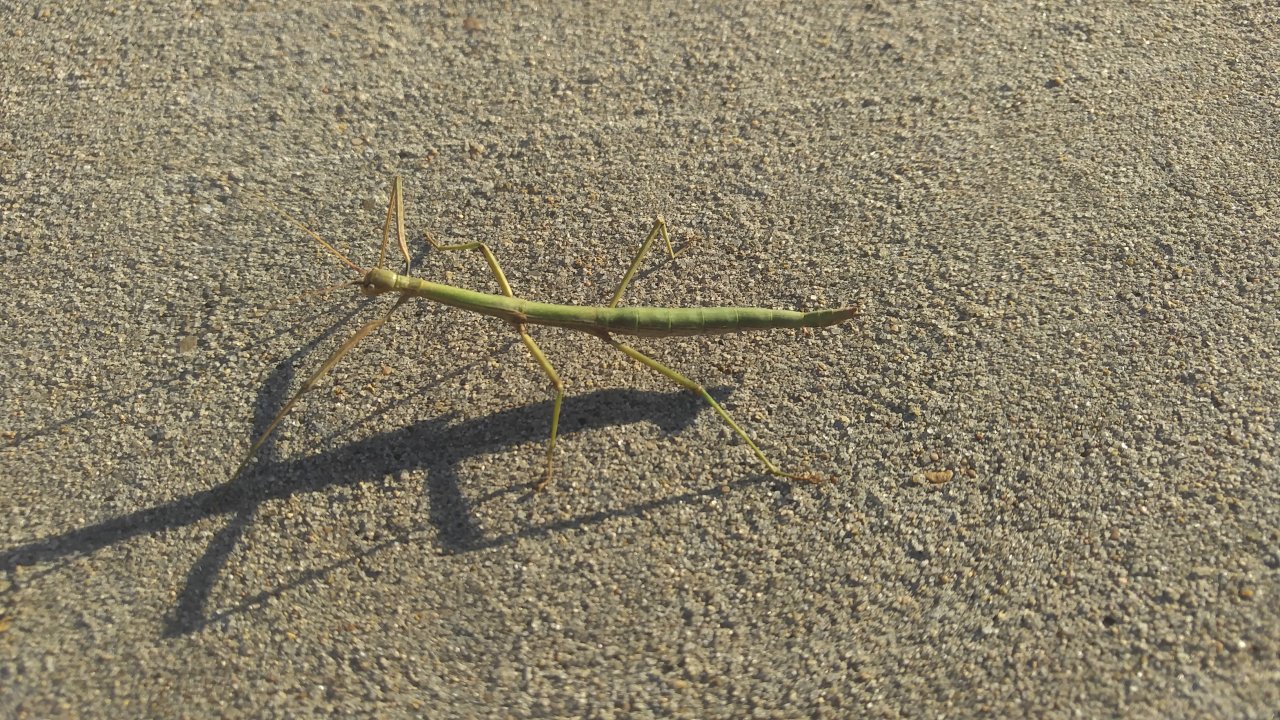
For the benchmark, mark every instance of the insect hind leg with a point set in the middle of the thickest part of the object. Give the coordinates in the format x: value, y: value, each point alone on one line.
x: 694, y: 387
x: 659, y: 229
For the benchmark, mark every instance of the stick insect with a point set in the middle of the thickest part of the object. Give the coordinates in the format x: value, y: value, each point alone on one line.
x: 602, y: 322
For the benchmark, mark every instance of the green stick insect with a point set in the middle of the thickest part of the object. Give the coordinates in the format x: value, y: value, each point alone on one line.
x: 602, y: 322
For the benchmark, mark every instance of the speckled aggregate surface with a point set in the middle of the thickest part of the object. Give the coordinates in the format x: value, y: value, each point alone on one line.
x: 1054, y: 427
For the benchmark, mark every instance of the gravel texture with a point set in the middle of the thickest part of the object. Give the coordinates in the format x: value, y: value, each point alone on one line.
x: 1054, y: 426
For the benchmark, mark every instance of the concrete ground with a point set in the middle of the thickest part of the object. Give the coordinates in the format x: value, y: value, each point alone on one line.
x: 1053, y: 428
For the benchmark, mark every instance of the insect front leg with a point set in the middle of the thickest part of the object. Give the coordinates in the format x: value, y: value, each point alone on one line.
x: 310, y: 383
x: 395, y: 207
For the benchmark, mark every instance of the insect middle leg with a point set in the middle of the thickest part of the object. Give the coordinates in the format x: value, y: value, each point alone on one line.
x: 395, y: 211
x: 558, y: 387
x: 688, y: 384
x: 488, y: 258
x: 539, y: 357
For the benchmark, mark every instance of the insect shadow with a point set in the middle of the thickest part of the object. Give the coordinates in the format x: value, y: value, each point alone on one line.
x: 436, y: 445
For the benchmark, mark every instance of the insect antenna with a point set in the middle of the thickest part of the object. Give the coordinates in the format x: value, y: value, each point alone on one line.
x: 315, y: 236
x: 318, y: 292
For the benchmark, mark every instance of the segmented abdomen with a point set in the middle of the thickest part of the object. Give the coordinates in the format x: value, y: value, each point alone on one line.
x: 695, y: 321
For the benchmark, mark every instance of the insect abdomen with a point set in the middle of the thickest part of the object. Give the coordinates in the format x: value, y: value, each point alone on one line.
x: 695, y: 321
